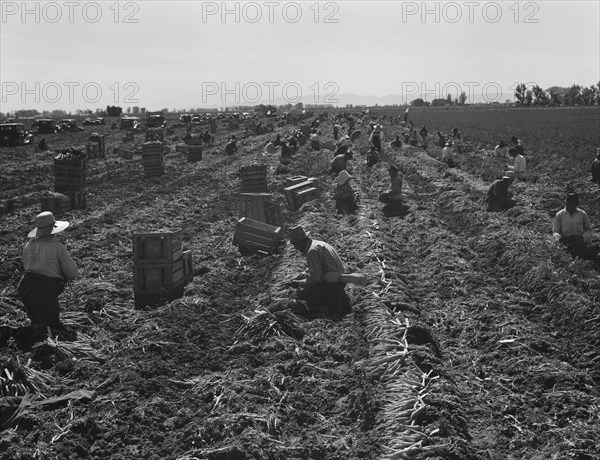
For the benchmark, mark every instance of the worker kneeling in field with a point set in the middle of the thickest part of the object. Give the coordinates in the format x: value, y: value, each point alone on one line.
x: 346, y: 199
x: 231, y: 146
x: 48, y: 267
x: 572, y: 227
x: 520, y: 162
x: 497, y: 197
x: 340, y: 163
x: 322, y: 289
x: 393, y: 197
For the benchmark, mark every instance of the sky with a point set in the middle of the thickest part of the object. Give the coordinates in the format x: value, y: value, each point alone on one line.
x: 184, y: 54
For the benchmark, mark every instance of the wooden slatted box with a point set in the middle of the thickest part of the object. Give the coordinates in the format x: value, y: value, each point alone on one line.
x: 157, y: 247
x: 152, y: 159
x: 158, y: 278
x: 253, y: 173
x: 258, y: 206
x: 263, y: 237
x: 57, y: 204
x: 188, y: 267
x: 292, y: 192
x: 69, y: 174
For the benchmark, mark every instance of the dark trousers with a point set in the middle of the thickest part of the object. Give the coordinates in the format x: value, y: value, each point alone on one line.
x: 326, y: 298
x: 346, y: 205
x: 579, y: 248
x: 39, y: 295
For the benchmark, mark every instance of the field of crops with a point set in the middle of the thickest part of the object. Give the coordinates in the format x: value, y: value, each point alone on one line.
x: 476, y: 337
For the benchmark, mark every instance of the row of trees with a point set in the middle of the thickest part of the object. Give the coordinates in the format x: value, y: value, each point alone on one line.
x: 556, y: 95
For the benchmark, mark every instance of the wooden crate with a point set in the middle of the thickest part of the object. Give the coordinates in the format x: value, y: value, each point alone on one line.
x: 92, y: 150
x: 256, y: 186
x: 254, y: 172
x: 78, y: 198
x: 188, y: 267
x: 157, y: 247
x: 305, y: 195
x: 194, y: 153
x: 55, y: 204
x: 251, y: 233
x: 157, y: 278
x: 292, y: 191
x: 289, y: 181
x: 181, y: 148
x: 258, y: 206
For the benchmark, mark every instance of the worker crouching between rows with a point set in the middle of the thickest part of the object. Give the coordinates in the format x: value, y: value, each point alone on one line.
x: 346, y: 199
x: 322, y: 289
x: 393, y: 197
x: 48, y: 267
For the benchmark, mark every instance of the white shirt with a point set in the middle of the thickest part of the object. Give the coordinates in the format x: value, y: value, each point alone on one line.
x: 520, y: 163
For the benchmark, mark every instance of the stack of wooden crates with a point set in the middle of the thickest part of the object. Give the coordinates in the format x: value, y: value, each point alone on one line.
x: 152, y: 159
x: 161, y: 268
x: 69, y: 182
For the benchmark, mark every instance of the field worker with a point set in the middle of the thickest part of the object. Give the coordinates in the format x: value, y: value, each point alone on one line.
x: 455, y: 133
x: 423, y: 133
x: 376, y: 137
x: 343, y: 146
x: 340, y: 163
x: 48, y: 267
x: 372, y: 157
x: 572, y: 227
x: 441, y: 139
x: 314, y: 140
x: 345, y: 196
x: 516, y: 142
x: 596, y: 168
x: 322, y: 288
x: 277, y: 140
x: 406, y: 138
x: 393, y: 197
x: 520, y: 163
x: 448, y: 155
x: 406, y: 116
x: 42, y: 146
x: 337, y: 128
x: 497, y: 197
x: 396, y: 143
x: 231, y: 146
x: 207, y: 138
x: 501, y: 150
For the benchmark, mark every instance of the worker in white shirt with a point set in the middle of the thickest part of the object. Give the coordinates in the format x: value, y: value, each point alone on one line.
x: 520, y: 163
x: 572, y: 227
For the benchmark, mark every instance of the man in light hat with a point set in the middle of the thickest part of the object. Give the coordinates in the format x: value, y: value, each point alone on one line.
x: 448, y: 155
x: 48, y: 266
x: 497, y: 198
x: 572, y: 227
x: 393, y: 197
x: 345, y: 196
x: 596, y: 168
x: 376, y: 137
x: 322, y: 290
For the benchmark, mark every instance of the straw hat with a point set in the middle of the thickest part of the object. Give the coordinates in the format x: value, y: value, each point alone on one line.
x: 343, y: 177
x: 296, y: 234
x: 46, y: 224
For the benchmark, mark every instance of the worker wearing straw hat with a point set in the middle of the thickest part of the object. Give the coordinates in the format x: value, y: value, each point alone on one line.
x: 323, y: 289
x: 345, y: 196
x: 48, y: 267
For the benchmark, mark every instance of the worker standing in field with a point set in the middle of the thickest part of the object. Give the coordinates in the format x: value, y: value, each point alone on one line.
x: 48, y: 267
x: 572, y: 227
x: 596, y: 168
x: 321, y: 287
x: 376, y: 137
x: 346, y: 199
x: 497, y: 197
